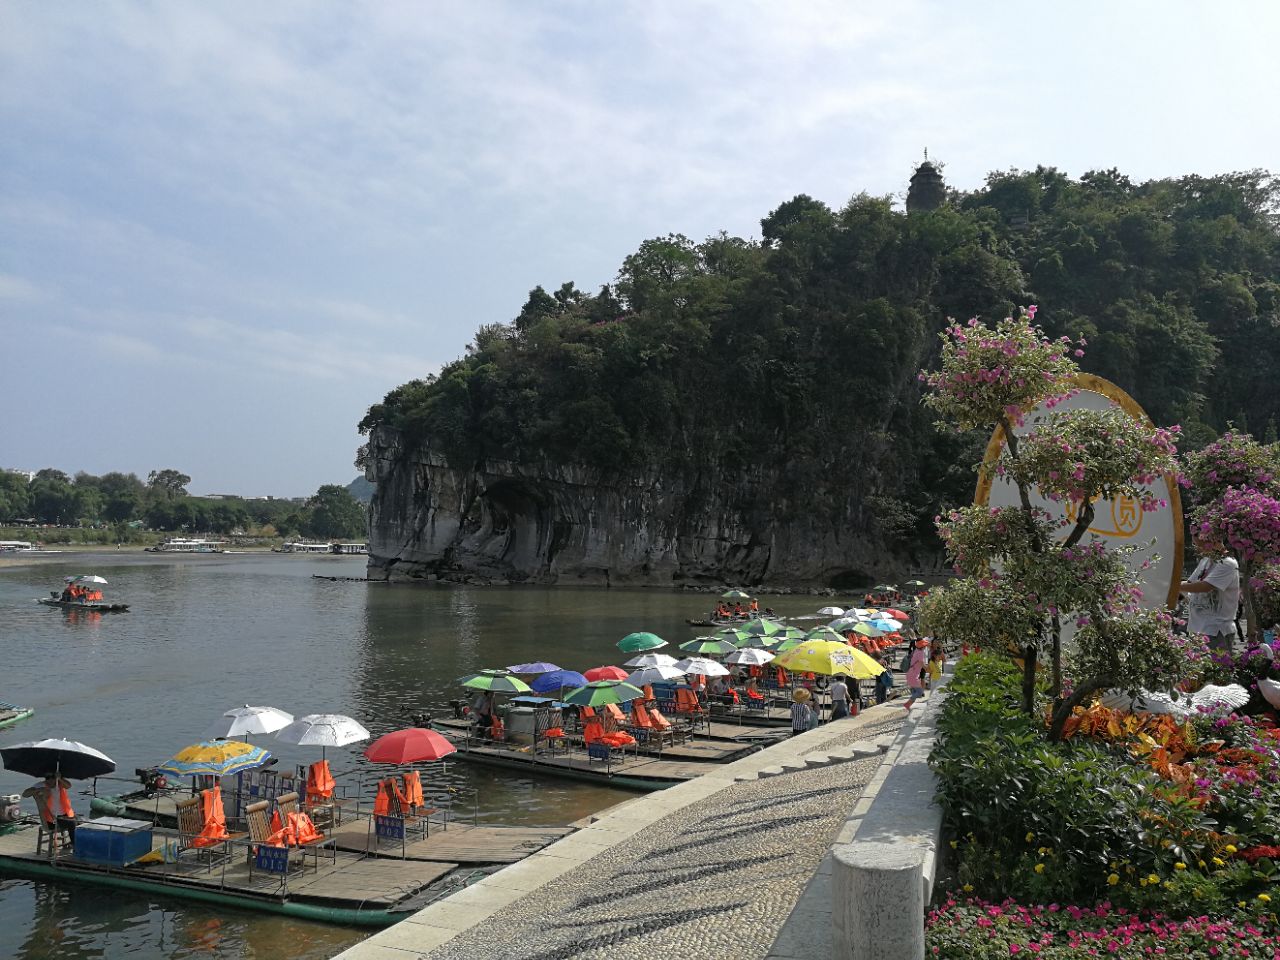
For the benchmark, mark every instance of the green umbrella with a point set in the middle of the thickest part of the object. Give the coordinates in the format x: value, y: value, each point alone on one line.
x: 915, y: 583
x: 639, y: 642
x: 757, y: 642
x: 764, y: 628
x: 735, y: 595
x: 824, y: 633
x: 598, y: 693
x: 709, y: 646
x: 734, y: 635
x: 499, y: 681
x: 789, y: 644
x: 884, y: 588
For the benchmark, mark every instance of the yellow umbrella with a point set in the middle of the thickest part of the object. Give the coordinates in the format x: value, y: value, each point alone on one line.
x: 828, y: 657
x: 215, y: 758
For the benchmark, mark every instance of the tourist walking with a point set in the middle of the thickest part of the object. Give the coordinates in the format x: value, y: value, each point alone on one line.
x: 839, y: 691
x: 801, y: 715
x: 915, y: 672
x: 1213, y: 595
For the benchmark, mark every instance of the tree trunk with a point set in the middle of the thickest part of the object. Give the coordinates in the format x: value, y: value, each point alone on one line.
x: 1246, y: 594
x: 1029, y: 680
x: 1055, y: 658
x: 1062, y: 708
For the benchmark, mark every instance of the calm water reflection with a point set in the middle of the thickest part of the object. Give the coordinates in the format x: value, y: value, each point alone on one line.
x: 208, y: 633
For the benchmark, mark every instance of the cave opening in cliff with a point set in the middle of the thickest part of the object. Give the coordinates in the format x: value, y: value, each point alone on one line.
x: 849, y: 580
x: 517, y: 514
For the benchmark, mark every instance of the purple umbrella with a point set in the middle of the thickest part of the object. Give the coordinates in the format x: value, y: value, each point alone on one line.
x: 539, y: 666
x: 556, y: 681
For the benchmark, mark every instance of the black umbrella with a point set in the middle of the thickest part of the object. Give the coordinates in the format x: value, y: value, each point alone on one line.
x: 67, y: 758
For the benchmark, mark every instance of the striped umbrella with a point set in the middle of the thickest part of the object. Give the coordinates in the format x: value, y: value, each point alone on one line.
x: 215, y: 758
x: 639, y: 642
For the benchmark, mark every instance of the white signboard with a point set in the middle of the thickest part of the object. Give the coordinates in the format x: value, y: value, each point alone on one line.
x: 1121, y: 522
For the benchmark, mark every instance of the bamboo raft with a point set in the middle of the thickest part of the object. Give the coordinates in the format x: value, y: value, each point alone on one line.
x: 11, y: 713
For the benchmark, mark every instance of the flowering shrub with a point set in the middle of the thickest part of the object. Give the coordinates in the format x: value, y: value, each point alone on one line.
x: 1233, y: 460
x: 1039, y: 570
x: 974, y: 929
x: 993, y: 372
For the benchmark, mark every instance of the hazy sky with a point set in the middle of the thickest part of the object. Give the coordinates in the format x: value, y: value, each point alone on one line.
x: 227, y: 228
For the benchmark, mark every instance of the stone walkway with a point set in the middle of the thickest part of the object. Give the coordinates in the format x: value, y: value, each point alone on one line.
x: 712, y: 868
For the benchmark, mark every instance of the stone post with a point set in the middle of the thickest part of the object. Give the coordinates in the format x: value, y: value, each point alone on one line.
x: 877, y: 906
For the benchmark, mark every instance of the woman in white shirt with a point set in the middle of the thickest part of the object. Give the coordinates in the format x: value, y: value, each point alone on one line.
x: 1213, y: 594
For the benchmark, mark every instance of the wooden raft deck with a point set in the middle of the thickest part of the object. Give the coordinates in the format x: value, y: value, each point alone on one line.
x: 381, y: 888
x: 635, y: 772
x: 461, y: 843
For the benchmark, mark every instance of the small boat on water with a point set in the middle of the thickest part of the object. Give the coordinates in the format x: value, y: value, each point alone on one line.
x: 98, y: 606
x: 83, y: 593
x: 11, y: 713
x: 188, y: 545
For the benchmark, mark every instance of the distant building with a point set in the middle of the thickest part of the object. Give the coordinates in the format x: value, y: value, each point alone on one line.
x: 928, y: 190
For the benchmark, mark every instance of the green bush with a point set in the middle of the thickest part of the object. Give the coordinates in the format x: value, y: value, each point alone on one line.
x: 1072, y: 821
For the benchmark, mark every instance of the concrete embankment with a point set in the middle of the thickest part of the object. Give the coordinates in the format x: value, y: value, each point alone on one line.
x: 710, y: 868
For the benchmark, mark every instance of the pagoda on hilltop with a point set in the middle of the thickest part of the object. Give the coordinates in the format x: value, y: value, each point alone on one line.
x: 928, y: 190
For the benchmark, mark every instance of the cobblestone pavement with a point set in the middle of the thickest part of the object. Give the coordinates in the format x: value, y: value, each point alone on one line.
x: 714, y: 880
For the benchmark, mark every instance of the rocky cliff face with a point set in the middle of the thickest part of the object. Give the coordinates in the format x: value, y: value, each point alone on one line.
x: 539, y: 523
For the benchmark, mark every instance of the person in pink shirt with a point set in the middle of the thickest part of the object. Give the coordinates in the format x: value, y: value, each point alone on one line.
x: 915, y: 671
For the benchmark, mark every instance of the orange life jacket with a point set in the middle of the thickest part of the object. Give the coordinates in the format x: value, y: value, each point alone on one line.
x: 413, y: 789
x: 382, y: 802
x: 214, y: 817
x: 62, y: 807
x: 319, y: 782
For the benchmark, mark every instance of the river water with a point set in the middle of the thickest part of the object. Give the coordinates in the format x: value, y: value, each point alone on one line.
x: 207, y: 633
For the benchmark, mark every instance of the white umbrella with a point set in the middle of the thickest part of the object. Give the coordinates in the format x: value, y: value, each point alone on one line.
x: 651, y: 660
x: 246, y: 721
x: 323, y: 730
x: 701, y: 666
x: 87, y: 578
x: 655, y: 674
x: 750, y: 656
x: 831, y: 612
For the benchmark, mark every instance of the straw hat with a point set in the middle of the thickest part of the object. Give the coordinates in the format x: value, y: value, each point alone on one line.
x: 801, y: 695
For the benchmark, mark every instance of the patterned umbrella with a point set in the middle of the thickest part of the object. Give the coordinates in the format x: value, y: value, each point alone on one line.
x: 735, y: 595
x: 215, y: 758
x: 764, y: 628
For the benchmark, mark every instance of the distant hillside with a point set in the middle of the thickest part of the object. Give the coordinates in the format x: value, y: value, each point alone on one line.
x: 361, y: 489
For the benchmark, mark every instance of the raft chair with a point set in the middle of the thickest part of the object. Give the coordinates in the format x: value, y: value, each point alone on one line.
x: 263, y: 854
x: 679, y: 733
x: 297, y: 830
x: 604, y: 746
x: 392, y: 817
x: 202, y: 827
x: 688, y: 706
x: 417, y: 803
x: 615, y: 721
x: 643, y: 720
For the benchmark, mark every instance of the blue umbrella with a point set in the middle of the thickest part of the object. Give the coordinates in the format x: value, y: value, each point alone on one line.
x: 557, y: 680
x: 538, y: 666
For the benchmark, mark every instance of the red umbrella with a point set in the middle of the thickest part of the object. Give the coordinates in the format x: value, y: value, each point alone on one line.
x: 413, y: 745
x: 896, y: 614
x: 606, y: 673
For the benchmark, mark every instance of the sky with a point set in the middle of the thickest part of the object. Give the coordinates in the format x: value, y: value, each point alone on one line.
x: 227, y: 229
